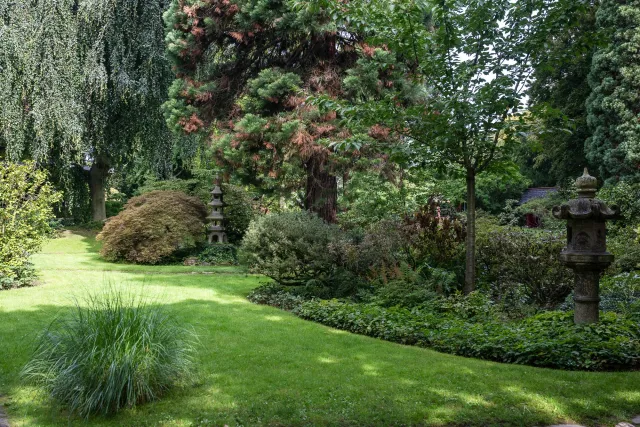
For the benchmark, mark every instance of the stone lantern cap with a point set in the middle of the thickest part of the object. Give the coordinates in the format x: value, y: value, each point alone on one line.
x: 216, y: 190
x: 586, y: 206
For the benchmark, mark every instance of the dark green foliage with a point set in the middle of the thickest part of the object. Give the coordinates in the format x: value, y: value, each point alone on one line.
x: 626, y: 196
x: 113, y: 207
x: 613, y: 105
x: 26, y: 211
x: 624, y: 244
x: 298, y: 248
x: 621, y: 294
x: 468, y: 326
x: 521, y: 266
x: 291, y: 248
x: 153, y: 227
x: 113, y: 351
x: 273, y: 294
x: 218, y: 254
x: 554, y: 150
x: 623, y: 236
x: 412, y: 288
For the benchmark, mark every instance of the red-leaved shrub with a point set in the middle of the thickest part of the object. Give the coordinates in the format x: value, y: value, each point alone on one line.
x: 154, y: 226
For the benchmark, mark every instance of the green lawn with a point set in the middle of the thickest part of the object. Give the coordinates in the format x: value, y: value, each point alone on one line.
x: 262, y: 366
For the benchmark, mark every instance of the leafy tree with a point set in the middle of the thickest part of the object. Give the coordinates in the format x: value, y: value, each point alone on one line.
x: 244, y: 70
x: 473, y: 60
x: 614, y: 104
x: 26, y: 209
x: 558, y: 95
x: 86, y: 87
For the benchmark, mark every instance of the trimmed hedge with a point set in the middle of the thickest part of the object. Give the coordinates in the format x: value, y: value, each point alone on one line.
x: 549, y: 339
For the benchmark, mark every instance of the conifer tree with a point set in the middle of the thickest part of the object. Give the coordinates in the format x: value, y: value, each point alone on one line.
x: 614, y: 104
x: 244, y: 70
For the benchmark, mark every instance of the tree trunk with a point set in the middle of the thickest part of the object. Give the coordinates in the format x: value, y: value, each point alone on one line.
x: 470, y: 242
x: 97, y: 177
x: 322, y: 190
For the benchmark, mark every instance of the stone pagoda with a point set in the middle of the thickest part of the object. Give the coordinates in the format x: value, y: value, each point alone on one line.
x: 216, y: 217
x: 586, y: 252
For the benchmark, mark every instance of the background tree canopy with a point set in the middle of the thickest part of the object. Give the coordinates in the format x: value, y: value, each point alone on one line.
x: 82, y: 84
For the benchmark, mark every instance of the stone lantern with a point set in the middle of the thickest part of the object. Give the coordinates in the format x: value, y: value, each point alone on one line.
x: 216, y: 217
x: 586, y: 252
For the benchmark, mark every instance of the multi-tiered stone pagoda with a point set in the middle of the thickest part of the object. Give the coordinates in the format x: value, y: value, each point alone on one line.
x: 216, y: 217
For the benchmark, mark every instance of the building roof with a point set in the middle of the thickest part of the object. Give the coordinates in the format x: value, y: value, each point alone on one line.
x: 536, y: 193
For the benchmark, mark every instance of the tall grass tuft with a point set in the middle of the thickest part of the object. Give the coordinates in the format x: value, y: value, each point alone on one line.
x: 114, y: 351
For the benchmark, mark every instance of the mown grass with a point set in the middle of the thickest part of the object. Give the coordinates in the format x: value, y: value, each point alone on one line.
x: 260, y: 366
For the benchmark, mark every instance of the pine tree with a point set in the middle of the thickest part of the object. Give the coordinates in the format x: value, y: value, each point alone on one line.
x: 614, y: 104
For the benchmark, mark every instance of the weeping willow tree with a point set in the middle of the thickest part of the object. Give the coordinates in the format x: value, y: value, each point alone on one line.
x: 82, y: 83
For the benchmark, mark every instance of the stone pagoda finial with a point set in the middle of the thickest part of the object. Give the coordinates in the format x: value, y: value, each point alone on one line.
x: 587, y: 185
x: 216, y: 217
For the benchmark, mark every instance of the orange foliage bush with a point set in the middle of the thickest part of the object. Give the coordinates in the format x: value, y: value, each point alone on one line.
x: 154, y: 226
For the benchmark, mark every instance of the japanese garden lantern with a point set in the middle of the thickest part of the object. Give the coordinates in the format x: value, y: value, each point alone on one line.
x: 586, y: 251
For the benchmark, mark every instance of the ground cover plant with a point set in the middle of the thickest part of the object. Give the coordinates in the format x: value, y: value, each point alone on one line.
x: 470, y: 327
x: 259, y: 365
x: 116, y: 350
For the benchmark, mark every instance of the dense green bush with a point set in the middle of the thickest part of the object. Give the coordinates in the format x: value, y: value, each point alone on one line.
x: 218, y: 254
x: 113, y: 207
x: 291, y: 248
x: 623, y: 243
x: 26, y: 214
x: 621, y: 294
x: 298, y: 248
x: 239, y: 211
x: 626, y: 196
x: 521, y: 266
x: 154, y: 227
x: 113, y: 351
x: 470, y: 326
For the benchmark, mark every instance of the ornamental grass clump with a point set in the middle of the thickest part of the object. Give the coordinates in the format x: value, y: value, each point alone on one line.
x: 114, y: 351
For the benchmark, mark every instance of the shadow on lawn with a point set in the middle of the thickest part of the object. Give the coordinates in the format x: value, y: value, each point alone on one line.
x: 256, y: 369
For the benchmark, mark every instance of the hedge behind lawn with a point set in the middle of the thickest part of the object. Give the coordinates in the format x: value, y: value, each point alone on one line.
x: 549, y: 339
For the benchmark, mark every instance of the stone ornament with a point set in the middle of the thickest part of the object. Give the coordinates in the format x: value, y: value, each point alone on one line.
x: 586, y: 251
x: 216, y: 217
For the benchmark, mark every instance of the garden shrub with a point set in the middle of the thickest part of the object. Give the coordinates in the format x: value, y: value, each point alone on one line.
x: 238, y: 212
x: 154, y: 227
x: 374, y: 253
x: 113, y: 351
x: 621, y: 294
x: 411, y: 288
x: 291, y: 247
x: 470, y: 326
x: 522, y: 267
x: 434, y: 239
x: 218, y: 254
x: 623, y: 243
x: 113, y: 207
x: 26, y: 213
